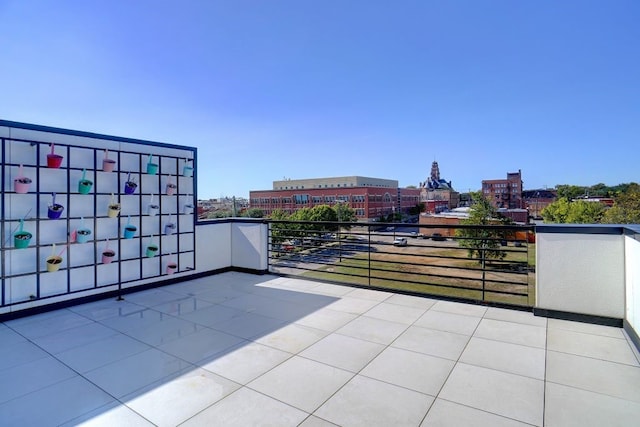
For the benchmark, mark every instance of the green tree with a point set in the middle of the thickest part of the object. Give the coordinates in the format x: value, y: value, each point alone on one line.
x: 556, y: 212
x: 220, y: 213
x: 599, y: 190
x: 626, y: 209
x: 279, y: 231
x: 564, y: 211
x: 483, y: 242
x: 254, y: 213
x: 300, y: 230
x: 619, y: 189
x: 570, y: 191
x: 344, y: 213
x: 323, y: 213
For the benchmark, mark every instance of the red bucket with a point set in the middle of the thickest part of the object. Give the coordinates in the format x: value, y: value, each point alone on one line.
x: 54, y: 161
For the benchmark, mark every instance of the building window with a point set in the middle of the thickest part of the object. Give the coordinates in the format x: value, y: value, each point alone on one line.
x: 301, y: 199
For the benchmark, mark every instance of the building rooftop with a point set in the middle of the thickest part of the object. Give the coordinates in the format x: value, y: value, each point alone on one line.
x: 241, y: 349
x: 334, y: 182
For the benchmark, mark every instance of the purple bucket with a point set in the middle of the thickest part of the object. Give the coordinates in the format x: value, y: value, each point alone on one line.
x: 55, y: 211
x: 130, y: 187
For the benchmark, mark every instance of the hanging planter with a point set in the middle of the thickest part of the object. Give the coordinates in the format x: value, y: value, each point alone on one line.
x: 21, y: 238
x: 108, y: 165
x: 114, y: 208
x: 54, y: 210
x: 152, y: 168
x: 129, y: 229
x: 108, y: 254
x: 54, y: 261
x: 82, y: 233
x: 171, y: 187
x: 187, y: 169
x: 152, y: 249
x: 53, y: 160
x: 21, y: 183
x: 170, y: 226
x: 84, y: 185
x: 172, y: 267
x: 152, y: 208
x: 131, y: 185
x: 188, y: 207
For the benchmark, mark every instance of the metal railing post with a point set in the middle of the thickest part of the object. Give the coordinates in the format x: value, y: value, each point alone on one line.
x: 369, y: 254
x: 484, y: 268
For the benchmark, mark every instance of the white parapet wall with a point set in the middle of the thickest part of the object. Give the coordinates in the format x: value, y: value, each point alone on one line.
x: 213, y: 240
x: 238, y: 243
x: 249, y: 241
x: 581, y: 269
x: 632, y: 269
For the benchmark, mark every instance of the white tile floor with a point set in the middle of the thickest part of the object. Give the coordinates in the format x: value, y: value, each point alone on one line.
x: 243, y: 350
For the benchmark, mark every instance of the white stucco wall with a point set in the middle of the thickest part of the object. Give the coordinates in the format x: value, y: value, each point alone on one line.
x: 249, y: 245
x: 221, y: 244
x: 632, y: 264
x: 581, y: 273
x: 213, y: 241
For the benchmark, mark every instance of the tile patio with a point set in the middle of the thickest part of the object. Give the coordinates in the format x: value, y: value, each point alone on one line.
x: 240, y: 350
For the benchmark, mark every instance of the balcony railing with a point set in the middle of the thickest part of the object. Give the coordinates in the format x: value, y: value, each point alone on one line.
x: 485, y: 263
x: 587, y: 273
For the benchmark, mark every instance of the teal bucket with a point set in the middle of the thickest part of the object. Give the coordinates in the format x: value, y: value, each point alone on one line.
x: 21, y: 239
x: 84, y: 186
x: 130, y: 231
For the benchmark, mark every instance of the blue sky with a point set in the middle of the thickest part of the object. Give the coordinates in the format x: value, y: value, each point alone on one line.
x: 268, y: 89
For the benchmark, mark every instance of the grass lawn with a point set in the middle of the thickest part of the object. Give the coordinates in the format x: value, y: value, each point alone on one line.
x: 437, y: 271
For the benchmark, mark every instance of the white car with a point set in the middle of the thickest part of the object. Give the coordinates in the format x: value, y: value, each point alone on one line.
x: 400, y: 241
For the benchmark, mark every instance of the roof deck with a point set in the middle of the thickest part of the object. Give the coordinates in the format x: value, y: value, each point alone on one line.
x: 243, y: 349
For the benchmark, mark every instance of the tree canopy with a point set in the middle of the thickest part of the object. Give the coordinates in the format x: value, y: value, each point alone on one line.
x: 564, y: 210
x: 253, y: 213
x: 626, y: 209
x: 483, y: 242
x: 319, y: 214
x: 570, y: 209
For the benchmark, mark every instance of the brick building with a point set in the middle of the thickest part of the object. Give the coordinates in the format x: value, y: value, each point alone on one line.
x: 437, y: 194
x: 505, y: 193
x: 370, y: 198
x: 536, y: 200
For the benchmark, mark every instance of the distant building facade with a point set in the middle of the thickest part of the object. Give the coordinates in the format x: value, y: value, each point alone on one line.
x: 505, y: 193
x: 370, y: 198
x: 236, y: 205
x: 436, y: 193
x: 450, y: 218
x: 536, y: 200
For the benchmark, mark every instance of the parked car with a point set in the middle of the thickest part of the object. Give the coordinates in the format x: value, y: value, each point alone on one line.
x: 400, y: 241
x: 438, y: 237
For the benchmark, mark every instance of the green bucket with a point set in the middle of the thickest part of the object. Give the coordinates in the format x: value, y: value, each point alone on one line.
x: 21, y: 239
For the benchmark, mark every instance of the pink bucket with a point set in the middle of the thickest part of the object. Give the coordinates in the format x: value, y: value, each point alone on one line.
x: 172, y: 267
x: 108, y: 256
x: 21, y: 184
x: 108, y: 165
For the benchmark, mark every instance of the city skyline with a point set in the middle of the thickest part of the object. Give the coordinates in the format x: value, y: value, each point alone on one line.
x: 302, y: 90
